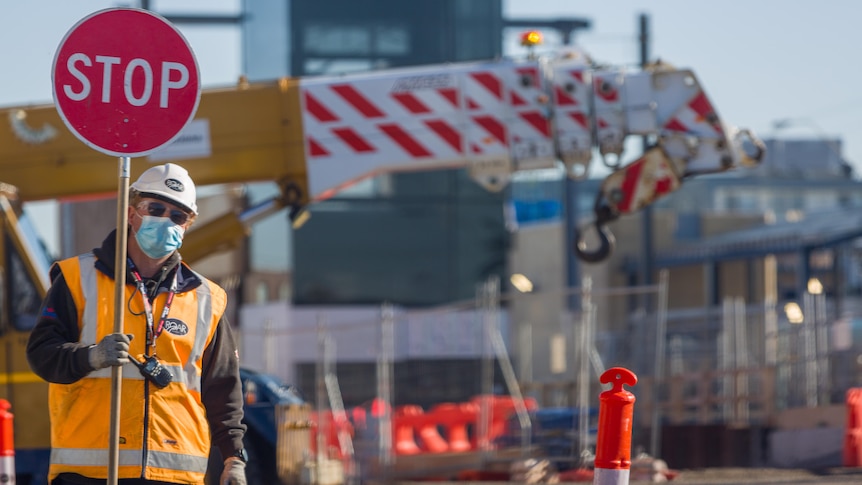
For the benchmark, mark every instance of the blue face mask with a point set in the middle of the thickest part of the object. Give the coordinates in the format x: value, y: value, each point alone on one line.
x: 159, y: 236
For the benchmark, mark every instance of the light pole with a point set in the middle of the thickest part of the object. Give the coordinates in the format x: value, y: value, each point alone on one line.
x: 817, y: 314
x: 812, y: 317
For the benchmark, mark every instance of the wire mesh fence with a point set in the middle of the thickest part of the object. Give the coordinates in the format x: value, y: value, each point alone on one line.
x: 520, y: 371
x: 497, y: 367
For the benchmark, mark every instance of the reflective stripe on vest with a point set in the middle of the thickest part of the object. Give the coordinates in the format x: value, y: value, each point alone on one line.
x: 99, y: 457
x: 131, y: 372
x: 204, y: 297
x: 87, y: 268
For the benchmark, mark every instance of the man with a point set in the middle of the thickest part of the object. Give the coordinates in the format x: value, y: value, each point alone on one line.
x: 181, y: 390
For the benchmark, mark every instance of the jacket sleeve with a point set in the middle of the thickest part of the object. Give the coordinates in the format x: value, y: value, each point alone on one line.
x: 221, y: 391
x: 53, y: 349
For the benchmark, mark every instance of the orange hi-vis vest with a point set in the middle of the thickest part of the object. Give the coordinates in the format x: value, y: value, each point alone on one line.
x: 164, y: 433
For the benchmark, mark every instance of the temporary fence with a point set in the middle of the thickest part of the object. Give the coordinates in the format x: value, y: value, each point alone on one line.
x: 401, y: 393
x: 407, y: 389
x: 740, y: 364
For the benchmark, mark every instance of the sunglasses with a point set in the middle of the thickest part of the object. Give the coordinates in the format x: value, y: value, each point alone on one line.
x: 158, y: 209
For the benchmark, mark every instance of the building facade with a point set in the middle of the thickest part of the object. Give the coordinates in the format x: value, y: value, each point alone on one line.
x: 307, y: 37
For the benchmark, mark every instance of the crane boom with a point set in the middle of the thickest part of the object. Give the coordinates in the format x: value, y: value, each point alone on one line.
x: 313, y: 136
x: 254, y: 133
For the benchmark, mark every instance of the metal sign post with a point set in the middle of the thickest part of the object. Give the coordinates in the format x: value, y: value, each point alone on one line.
x: 126, y: 83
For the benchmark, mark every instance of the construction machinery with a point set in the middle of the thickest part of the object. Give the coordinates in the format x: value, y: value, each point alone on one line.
x: 315, y: 136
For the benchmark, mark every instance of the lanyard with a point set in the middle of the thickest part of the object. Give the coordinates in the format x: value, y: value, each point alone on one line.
x: 153, y: 333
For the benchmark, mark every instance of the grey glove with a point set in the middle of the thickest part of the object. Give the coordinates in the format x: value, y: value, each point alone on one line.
x: 111, y: 351
x: 234, y: 472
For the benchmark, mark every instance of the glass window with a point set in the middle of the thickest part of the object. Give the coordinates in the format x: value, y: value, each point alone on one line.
x: 429, y: 242
x: 316, y: 66
x: 23, y: 293
x: 372, y: 39
x: 23, y: 298
x: 392, y: 40
x: 42, y: 258
x: 333, y: 39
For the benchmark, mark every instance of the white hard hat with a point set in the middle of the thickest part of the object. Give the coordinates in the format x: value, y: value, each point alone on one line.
x: 169, y: 182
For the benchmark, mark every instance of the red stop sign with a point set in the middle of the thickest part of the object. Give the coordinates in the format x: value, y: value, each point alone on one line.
x: 125, y: 81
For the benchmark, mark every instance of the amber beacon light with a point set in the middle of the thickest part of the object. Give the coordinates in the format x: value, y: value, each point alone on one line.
x: 531, y: 38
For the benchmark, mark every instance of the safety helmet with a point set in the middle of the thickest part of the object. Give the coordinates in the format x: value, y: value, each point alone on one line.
x: 169, y: 182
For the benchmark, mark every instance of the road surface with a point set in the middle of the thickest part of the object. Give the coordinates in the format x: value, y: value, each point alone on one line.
x: 766, y: 476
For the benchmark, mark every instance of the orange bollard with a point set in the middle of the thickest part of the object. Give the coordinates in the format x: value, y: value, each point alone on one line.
x: 852, y: 453
x: 7, y: 445
x: 614, y: 441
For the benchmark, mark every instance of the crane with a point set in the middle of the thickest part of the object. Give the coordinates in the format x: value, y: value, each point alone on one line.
x: 313, y: 136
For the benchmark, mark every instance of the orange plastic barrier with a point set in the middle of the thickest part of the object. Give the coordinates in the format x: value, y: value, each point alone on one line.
x: 332, y: 426
x: 416, y: 431
x: 501, y: 408
x: 852, y: 453
x: 359, y: 417
x: 379, y: 407
x: 403, y: 423
x: 429, y: 435
x: 455, y: 420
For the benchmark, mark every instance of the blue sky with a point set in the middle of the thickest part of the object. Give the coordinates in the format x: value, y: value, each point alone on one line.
x: 759, y: 60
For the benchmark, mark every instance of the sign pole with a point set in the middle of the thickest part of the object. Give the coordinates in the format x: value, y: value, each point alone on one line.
x: 126, y: 82
x: 119, y: 298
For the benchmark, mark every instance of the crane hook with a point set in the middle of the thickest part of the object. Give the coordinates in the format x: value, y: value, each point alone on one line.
x: 604, y: 214
x: 606, y: 244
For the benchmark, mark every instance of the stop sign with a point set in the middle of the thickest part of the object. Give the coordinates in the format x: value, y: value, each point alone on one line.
x: 125, y: 81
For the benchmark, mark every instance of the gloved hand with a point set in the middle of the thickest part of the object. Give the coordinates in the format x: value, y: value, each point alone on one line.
x: 234, y: 472
x: 111, y: 351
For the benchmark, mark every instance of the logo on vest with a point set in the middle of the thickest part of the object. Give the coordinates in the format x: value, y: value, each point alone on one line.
x: 176, y: 327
